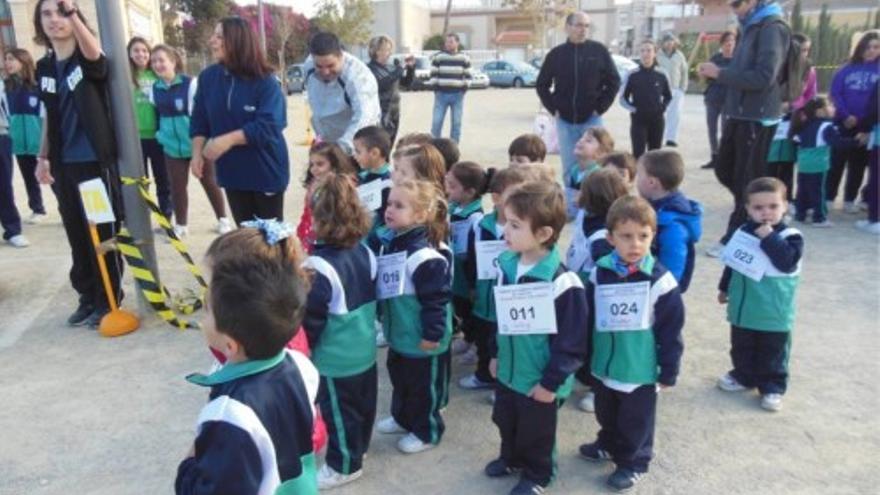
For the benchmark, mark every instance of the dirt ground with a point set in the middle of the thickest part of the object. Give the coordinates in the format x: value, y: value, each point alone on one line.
x: 81, y: 414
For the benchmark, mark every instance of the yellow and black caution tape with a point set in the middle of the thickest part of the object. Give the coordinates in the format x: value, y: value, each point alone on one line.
x: 157, y: 295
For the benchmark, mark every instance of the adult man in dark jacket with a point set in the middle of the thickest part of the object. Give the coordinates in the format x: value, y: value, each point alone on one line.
x: 584, y: 81
x: 753, y: 101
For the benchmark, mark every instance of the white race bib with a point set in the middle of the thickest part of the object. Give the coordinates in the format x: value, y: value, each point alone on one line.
x: 391, y: 273
x: 743, y: 253
x: 371, y: 194
x: 74, y: 78
x: 782, y: 130
x: 487, y: 258
x: 460, y: 231
x: 525, y: 309
x: 623, y: 307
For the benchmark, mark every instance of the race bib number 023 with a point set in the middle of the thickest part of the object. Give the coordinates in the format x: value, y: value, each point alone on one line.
x: 743, y: 253
x: 623, y: 307
x: 391, y: 273
x: 525, y: 309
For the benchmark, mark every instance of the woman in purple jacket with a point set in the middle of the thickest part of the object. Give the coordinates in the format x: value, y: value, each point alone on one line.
x: 850, y: 91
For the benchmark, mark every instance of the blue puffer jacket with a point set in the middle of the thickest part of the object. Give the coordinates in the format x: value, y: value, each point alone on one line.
x: 679, y: 227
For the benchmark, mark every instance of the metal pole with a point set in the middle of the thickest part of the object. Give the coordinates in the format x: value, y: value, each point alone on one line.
x: 131, y: 163
x: 262, y: 25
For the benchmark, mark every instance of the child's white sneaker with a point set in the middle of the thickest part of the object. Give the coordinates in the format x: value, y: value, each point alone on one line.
x: 389, y: 426
x: 328, y: 478
x: 824, y: 224
x: 771, y: 402
x: 224, y: 226
x: 729, y: 384
x: 588, y: 403
x: 35, y: 218
x: 868, y: 226
x: 181, y: 231
x: 381, y: 341
x: 471, y: 382
x: 411, y: 444
x: 715, y: 250
x: 469, y: 358
x: 18, y: 241
x: 460, y: 346
x: 850, y: 207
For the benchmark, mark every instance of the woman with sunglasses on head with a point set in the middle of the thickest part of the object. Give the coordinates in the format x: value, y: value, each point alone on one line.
x: 238, y: 115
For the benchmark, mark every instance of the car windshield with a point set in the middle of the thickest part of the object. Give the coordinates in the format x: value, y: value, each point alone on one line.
x: 422, y: 63
x: 522, y: 66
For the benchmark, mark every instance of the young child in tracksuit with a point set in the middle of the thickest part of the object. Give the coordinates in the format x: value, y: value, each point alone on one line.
x: 816, y: 134
x: 782, y: 154
x: 324, y: 158
x: 534, y: 364
x: 340, y: 312
x: 590, y: 148
x: 465, y: 186
x: 646, y: 94
x: 589, y: 243
x: 489, y: 231
x: 255, y: 434
x: 759, y: 285
x: 414, y: 292
x: 660, y: 173
x: 372, y: 147
x: 636, y: 317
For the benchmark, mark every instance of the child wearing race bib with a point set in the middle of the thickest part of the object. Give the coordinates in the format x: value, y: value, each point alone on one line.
x: 816, y: 135
x: 485, y: 242
x: 372, y: 146
x: 324, y: 158
x: 340, y: 312
x: 542, y: 339
x: 590, y: 148
x: 782, y: 155
x: 589, y: 242
x: 759, y: 285
x: 465, y: 186
x: 636, y: 316
x: 525, y: 149
x: 414, y: 291
x: 419, y: 162
x: 172, y: 95
x: 624, y: 163
x: 679, y: 219
x: 264, y: 394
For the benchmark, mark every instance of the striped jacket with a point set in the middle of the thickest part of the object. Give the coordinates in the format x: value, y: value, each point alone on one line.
x: 450, y: 72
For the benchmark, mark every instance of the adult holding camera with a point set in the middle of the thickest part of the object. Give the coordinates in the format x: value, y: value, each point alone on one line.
x: 389, y: 78
x: 238, y: 115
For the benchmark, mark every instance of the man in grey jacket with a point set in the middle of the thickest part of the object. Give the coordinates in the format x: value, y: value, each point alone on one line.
x: 342, y: 92
x: 753, y: 103
x: 675, y: 65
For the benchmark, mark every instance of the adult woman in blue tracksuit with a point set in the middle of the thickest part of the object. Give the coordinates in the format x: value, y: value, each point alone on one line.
x: 238, y: 115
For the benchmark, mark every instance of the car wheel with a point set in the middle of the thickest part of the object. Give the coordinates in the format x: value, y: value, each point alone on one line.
x: 517, y: 83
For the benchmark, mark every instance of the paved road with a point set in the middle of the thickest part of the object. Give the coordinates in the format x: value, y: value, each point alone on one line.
x: 86, y: 415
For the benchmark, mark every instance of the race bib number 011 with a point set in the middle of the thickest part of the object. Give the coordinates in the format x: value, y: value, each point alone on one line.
x: 743, y: 253
x: 525, y: 309
x: 623, y: 307
x: 391, y: 273
x: 487, y: 258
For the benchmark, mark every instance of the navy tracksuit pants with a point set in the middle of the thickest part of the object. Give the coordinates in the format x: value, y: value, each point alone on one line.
x: 760, y: 359
x: 420, y: 387
x: 811, y: 196
x: 9, y: 217
x: 528, y: 433
x: 348, y: 406
x: 626, y: 422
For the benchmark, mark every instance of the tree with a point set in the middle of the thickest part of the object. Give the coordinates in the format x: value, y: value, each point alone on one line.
x: 543, y: 13
x: 446, y: 17
x: 352, y: 24
x: 172, y: 29
x: 203, y: 16
x: 797, y: 18
x: 281, y: 24
x: 437, y: 41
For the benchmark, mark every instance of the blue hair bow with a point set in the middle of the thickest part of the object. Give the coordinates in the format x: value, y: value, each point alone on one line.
x: 273, y: 230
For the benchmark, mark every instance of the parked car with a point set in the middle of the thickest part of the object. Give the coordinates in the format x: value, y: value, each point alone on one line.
x: 296, y: 79
x: 510, y: 74
x: 536, y: 62
x: 623, y: 64
x: 479, y: 80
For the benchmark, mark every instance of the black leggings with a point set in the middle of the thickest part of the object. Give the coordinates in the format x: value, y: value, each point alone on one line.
x: 247, y: 205
x: 854, y: 161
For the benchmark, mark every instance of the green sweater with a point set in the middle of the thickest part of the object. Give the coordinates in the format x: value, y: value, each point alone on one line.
x: 144, y: 111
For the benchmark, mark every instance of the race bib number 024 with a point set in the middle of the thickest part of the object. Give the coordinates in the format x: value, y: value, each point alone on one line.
x: 743, y: 253
x: 391, y: 272
x: 525, y: 309
x: 622, y: 307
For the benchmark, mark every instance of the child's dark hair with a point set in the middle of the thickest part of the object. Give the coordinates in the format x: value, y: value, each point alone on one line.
x: 27, y: 76
x: 449, y: 149
x: 339, y: 218
x: 603, y: 137
x: 805, y: 114
x: 248, y: 242
x: 858, y: 55
x: 137, y: 40
x: 414, y: 138
x: 374, y: 136
x: 429, y: 198
x: 472, y: 176
x: 600, y: 189
x: 666, y: 166
x: 726, y: 35
x: 505, y: 178
x: 542, y: 204
x: 530, y: 146
x: 257, y: 302
x: 333, y: 153
x: 622, y: 161
x: 427, y: 162
x: 631, y: 209
x: 766, y: 184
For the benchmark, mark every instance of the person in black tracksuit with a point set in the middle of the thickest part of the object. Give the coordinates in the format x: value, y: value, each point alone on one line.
x: 78, y: 145
x: 646, y: 95
x: 389, y: 78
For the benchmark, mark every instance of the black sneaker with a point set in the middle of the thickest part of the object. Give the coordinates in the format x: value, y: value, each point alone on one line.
x: 672, y: 144
x: 623, y: 479
x: 82, y: 313
x: 592, y: 452
x: 526, y: 487
x: 499, y: 468
x: 94, y: 319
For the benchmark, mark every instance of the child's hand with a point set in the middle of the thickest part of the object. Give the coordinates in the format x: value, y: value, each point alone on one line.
x: 427, y: 345
x: 764, y: 230
x: 541, y: 394
x: 493, y: 368
x: 722, y: 297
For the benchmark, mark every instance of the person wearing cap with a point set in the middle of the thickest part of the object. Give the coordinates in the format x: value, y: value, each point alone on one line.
x: 673, y: 62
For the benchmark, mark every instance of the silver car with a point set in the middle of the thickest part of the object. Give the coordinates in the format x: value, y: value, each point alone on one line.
x: 296, y: 79
x: 510, y: 74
